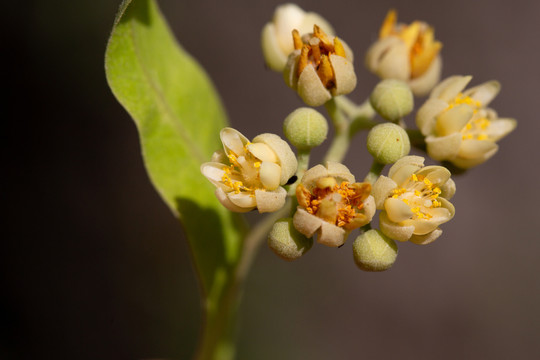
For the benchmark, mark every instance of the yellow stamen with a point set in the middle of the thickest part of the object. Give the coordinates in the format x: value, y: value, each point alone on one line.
x: 388, y: 25
x: 297, y: 40
x: 338, y: 47
x: 303, y: 61
x: 325, y: 72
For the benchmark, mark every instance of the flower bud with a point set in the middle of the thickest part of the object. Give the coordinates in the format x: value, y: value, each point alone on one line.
x: 373, y: 251
x: 305, y: 128
x: 392, y: 99
x: 286, y: 241
x: 388, y: 143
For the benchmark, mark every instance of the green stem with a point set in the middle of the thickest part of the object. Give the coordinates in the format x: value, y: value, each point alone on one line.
x: 374, y: 172
x: 218, y: 338
x: 303, y: 164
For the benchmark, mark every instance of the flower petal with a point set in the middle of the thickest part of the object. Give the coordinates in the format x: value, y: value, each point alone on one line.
x: 448, y: 189
x: 426, y: 115
x: 427, y: 238
x: 331, y: 235
x: 262, y: 152
x: 275, y: 56
x: 445, y: 147
x: 306, y: 223
x: 501, y: 127
x: 450, y: 87
x: 312, y: 175
x: 270, y: 201
x: 382, y: 189
x: 474, y: 149
x: 269, y: 174
x: 436, y: 174
x: 233, y: 140
x: 396, y: 210
x: 225, y: 201
x: 243, y: 200
x: 214, y: 172
x: 286, y: 158
x: 394, y: 231
x: 394, y: 63
x: 422, y: 85
x: 410, y: 160
x: 484, y: 92
x: 345, y: 75
x: 339, y: 171
x: 311, y: 89
x: 454, y: 119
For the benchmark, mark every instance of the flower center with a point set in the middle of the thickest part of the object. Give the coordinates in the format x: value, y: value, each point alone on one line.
x: 315, y: 51
x: 243, y: 172
x: 420, y: 194
x: 338, y: 204
x: 476, y: 129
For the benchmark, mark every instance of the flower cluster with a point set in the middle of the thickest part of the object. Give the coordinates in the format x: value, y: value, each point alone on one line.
x: 326, y: 201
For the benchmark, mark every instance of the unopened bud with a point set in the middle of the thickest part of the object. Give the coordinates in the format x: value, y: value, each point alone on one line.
x: 388, y: 143
x: 392, y: 99
x: 305, y: 128
x: 286, y: 241
x: 373, y: 251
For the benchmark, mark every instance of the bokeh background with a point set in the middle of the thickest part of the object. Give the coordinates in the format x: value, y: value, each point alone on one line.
x: 94, y: 266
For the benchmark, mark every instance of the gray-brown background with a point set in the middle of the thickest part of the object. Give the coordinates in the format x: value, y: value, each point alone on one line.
x: 95, y: 267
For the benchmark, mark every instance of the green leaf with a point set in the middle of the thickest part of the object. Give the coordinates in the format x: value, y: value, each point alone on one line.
x: 178, y: 115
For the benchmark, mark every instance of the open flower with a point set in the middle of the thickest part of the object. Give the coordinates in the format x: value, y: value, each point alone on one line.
x: 414, y: 200
x: 248, y: 175
x: 406, y: 52
x: 458, y: 125
x: 331, y: 204
x: 320, y: 67
x: 276, y: 39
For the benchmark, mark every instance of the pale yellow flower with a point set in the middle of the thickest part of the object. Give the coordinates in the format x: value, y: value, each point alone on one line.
x: 249, y: 175
x: 406, y: 52
x: 414, y: 200
x: 458, y: 125
x: 331, y: 204
x: 320, y: 67
x: 276, y: 38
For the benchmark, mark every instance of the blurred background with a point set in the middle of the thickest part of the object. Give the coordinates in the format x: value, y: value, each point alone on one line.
x: 94, y: 266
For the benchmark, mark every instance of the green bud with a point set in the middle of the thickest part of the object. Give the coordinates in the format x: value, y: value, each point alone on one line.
x: 388, y: 143
x: 392, y: 99
x: 373, y: 251
x: 305, y: 128
x: 286, y: 241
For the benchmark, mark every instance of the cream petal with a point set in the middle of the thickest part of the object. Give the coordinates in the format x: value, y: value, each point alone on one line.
x: 312, y: 175
x: 262, y: 152
x: 484, y: 92
x: 382, y: 189
x: 331, y: 235
x: 394, y: 231
x: 445, y: 204
x: 443, y: 148
x: 473, y: 149
x: 306, y: 223
x: 448, y: 189
x: 378, y: 50
x: 233, y: 140
x: 219, y: 157
x: 467, y: 163
x: 395, y: 63
x: 499, y: 128
x: 286, y: 18
x: 396, y: 210
x: 312, y: 18
x: 426, y: 115
x: 423, y: 84
x: 286, y: 158
x: 273, y: 53
x: 454, y: 119
x: 291, y: 70
x: 421, y: 226
x: 427, y: 238
x: 311, y: 89
x: 214, y: 173
x: 369, y: 208
x: 436, y: 174
x: 410, y: 160
x: 243, y: 199
x: 345, y: 75
x: 339, y: 171
x: 450, y: 87
x: 404, y: 173
x: 225, y: 201
x: 270, y: 174
x: 270, y: 201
